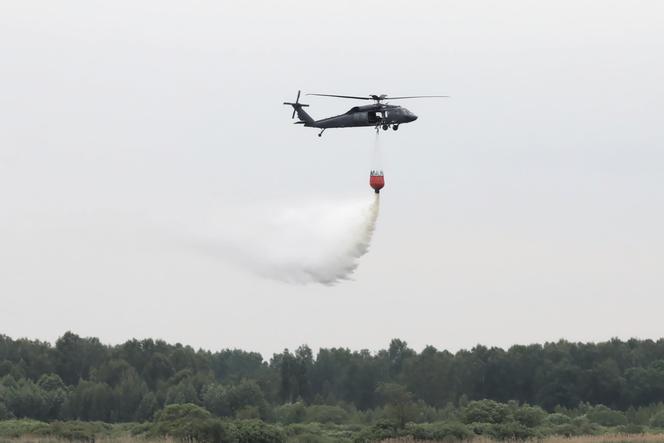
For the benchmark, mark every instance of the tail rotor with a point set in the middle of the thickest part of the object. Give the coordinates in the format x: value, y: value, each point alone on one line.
x: 297, y: 105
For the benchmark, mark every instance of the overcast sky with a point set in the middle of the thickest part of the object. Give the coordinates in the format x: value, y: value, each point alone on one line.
x: 528, y: 207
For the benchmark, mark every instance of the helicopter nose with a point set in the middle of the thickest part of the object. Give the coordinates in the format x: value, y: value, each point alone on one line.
x: 413, y: 117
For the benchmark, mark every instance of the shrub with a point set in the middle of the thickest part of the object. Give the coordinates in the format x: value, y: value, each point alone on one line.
x: 188, y: 422
x: 630, y: 429
x: 657, y: 420
x: 604, y: 416
x: 309, y: 438
x: 211, y: 430
x: 557, y: 419
x: 290, y: 413
x: 485, y: 411
x: 439, y: 431
x: 17, y: 428
x: 247, y: 413
x: 512, y: 431
x: 247, y: 394
x: 257, y: 431
x: 187, y: 411
x: 479, y: 428
x: 381, y: 430
x: 326, y: 414
x: 580, y: 426
x: 5, y: 413
x: 312, y: 434
x: 77, y: 430
x: 301, y: 428
x: 529, y: 416
x: 503, y: 431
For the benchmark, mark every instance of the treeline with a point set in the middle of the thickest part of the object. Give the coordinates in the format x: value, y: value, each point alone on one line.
x: 82, y: 379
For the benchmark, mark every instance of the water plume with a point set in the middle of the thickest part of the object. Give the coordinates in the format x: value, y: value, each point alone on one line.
x: 319, y: 242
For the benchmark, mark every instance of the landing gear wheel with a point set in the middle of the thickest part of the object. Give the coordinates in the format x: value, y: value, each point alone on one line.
x: 386, y: 127
x: 395, y: 127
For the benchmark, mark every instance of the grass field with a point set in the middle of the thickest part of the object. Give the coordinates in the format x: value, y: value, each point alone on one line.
x: 609, y: 438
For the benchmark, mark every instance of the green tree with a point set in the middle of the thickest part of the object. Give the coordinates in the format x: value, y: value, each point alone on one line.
x: 247, y: 394
x: 5, y: 413
x: 27, y: 400
x: 129, y: 392
x: 183, y: 392
x: 54, y: 393
x: 112, y: 372
x: 235, y: 365
x: 398, y: 353
x: 157, y: 369
x: 146, y: 408
x: 430, y: 376
x: 215, y: 399
x: 90, y: 401
x: 75, y: 356
x: 399, y: 403
x: 558, y: 385
x: 365, y: 373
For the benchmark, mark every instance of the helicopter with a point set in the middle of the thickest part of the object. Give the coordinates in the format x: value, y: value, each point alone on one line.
x: 378, y: 114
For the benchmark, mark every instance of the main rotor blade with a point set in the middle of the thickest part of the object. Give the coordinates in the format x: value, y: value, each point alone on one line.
x: 414, y: 96
x: 343, y: 96
x: 380, y: 97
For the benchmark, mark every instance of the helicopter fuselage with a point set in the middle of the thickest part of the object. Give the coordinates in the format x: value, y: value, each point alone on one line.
x: 369, y: 115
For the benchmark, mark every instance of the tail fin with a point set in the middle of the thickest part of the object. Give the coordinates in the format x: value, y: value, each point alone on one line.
x: 297, y: 108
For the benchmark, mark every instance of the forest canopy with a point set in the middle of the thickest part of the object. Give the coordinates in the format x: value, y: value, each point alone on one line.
x: 80, y: 378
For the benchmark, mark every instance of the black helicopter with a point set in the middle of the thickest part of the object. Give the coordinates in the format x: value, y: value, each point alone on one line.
x: 377, y: 114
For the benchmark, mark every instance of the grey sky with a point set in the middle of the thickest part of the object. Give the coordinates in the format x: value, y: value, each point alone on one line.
x: 528, y: 207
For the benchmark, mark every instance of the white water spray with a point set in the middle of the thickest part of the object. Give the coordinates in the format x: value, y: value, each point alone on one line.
x: 319, y: 242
